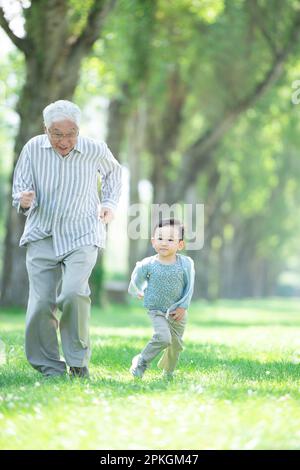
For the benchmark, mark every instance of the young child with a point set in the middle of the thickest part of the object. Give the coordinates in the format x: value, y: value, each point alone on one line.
x: 166, y: 282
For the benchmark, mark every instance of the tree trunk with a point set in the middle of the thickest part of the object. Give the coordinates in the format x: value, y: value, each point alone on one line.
x: 117, y: 113
x: 52, y: 72
x: 135, y: 148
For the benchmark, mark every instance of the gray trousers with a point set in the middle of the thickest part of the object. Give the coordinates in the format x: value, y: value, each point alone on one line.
x: 167, y: 336
x: 58, y: 282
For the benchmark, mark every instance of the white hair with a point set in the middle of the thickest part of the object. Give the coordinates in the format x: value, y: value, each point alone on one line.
x: 61, y: 110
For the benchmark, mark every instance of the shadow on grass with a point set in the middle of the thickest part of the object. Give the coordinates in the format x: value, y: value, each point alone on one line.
x: 224, y: 370
x: 218, y: 368
x: 115, y: 354
x: 203, y: 358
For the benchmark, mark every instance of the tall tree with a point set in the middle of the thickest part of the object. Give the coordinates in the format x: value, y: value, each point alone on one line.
x: 59, y: 34
x: 235, y: 63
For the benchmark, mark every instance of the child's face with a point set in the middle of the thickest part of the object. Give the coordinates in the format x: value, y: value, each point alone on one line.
x: 166, y: 241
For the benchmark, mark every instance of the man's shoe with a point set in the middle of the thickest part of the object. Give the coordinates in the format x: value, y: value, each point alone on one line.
x: 81, y: 372
x: 138, y: 367
x: 55, y: 376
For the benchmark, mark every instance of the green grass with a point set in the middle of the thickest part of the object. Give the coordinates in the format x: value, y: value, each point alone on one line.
x: 237, y: 384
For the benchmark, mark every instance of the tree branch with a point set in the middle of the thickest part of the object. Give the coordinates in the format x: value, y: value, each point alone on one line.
x: 95, y: 21
x: 257, y: 15
x: 198, y: 155
x: 20, y: 43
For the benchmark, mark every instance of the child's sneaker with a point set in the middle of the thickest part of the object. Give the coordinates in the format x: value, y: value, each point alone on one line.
x: 138, y: 366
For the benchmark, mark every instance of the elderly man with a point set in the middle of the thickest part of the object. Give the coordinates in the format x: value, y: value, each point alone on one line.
x: 55, y: 186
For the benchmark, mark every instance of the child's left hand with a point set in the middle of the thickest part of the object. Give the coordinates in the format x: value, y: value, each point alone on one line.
x: 178, y: 314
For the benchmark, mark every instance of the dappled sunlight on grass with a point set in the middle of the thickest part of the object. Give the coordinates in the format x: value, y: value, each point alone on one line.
x: 236, y: 386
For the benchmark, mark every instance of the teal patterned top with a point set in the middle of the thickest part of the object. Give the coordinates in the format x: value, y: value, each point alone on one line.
x: 164, y: 286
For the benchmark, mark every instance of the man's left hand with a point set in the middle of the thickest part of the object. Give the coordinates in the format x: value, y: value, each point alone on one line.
x: 178, y: 314
x: 106, y: 215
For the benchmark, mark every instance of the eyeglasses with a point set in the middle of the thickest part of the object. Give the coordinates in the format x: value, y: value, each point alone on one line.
x: 57, y: 136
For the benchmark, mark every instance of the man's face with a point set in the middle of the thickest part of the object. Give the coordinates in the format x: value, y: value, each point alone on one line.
x: 63, y: 136
x: 166, y: 241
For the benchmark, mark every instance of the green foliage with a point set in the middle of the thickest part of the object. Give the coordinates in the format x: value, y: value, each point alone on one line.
x: 209, y: 55
x: 259, y: 159
x: 77, y: 15
x: 11, y: 82
x: 12, y: 77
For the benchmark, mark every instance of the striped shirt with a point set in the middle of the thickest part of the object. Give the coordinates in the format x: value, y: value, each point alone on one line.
x: 66, y: 204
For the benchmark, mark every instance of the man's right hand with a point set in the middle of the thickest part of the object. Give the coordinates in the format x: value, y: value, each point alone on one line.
x: 26, y: 199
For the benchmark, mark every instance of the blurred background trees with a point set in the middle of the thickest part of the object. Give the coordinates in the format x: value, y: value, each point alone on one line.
x: 194, y: 99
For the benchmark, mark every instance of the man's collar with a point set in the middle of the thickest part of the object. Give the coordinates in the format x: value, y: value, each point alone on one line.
x: 47, y: 144
x: 78, y: 145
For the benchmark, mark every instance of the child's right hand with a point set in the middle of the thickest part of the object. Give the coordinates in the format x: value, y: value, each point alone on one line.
x: 178, y: 314
x: 140, y: 296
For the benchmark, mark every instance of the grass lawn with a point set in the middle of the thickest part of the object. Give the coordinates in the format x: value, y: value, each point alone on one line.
x: 237, y: 384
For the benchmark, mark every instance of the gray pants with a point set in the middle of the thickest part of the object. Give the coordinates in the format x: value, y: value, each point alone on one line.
x: 167, y: 336
x: 58, y: 282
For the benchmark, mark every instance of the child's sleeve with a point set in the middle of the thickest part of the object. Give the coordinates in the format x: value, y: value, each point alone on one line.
x: 138, y: 280
x: 189, y: 288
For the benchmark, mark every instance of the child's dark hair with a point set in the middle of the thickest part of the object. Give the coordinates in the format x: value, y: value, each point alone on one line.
x: 172, y: 223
